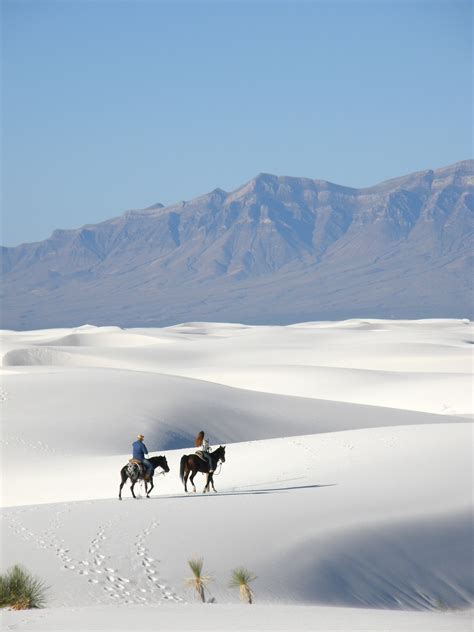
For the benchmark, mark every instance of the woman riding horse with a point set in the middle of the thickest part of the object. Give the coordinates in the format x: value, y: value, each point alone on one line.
x: 203, y: 444
x: 192, y: 464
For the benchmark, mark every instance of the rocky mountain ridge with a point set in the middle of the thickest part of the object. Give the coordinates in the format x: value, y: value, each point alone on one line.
x: 278, y: 249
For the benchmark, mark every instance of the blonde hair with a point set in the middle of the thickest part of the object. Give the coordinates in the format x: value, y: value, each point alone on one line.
x: 199, y: 439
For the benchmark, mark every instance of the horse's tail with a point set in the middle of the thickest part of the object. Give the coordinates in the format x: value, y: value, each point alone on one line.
x: 182, y: 467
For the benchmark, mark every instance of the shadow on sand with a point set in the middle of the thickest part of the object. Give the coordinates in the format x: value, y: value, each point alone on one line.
x: 249, y: 492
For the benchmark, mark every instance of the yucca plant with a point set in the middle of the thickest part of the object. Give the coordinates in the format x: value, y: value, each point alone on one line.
x: 241, y: 579
x: 20, y: 590
x: 198, y: 581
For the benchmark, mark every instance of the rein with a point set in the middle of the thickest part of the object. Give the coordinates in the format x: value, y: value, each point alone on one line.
x: 220, y: 468
x: 155, y: 473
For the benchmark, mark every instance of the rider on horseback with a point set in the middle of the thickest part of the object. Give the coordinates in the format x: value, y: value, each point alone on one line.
x: 139, y: 452
x: 203, y: 444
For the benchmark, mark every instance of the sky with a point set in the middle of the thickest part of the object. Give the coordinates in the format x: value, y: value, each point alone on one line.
x: 115, y: 105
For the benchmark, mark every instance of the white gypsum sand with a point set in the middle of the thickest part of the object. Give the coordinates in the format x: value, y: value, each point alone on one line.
x: 347, y: 487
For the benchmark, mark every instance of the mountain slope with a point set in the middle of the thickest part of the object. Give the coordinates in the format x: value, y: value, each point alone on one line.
x: 278, y: 249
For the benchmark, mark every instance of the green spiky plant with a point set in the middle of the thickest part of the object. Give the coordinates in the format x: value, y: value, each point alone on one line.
x: 241, y: 579
x: 20, y: 590
x: 198, y: 581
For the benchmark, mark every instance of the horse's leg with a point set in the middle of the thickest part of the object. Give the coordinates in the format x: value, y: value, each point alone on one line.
x: 206, y: 486
x: 211, y: 480
x: 131, y: 488
x: 151, y: 487
x: 124, y: 478
x: 191, y: 478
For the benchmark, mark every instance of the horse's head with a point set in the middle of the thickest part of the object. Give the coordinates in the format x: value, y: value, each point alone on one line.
x: 162, y: 462
x: 220, y: 453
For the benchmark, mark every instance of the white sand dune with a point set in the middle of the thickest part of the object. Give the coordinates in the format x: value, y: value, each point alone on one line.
x: 348, y: 479
x: 94, y: 411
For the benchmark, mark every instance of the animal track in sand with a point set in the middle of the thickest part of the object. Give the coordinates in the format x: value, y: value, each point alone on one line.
x: 148, y: 566
x: 114, y: 584
x: 48, y: 539
x: 32, y: 446
x: 96, y: 569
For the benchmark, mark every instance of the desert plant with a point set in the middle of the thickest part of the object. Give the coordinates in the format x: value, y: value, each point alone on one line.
x: 20, y: 590
x: 198, y: 581
x: 241, y: 579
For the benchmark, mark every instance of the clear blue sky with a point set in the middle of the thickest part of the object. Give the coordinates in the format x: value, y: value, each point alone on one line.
x: 111, y: 105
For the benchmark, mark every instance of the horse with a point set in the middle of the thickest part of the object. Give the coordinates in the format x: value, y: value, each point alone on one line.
x: 194, y: 464
x: 135, y: 473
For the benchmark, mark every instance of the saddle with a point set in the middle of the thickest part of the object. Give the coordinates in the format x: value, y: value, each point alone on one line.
x: 200, y: 454
x: 135, y: 463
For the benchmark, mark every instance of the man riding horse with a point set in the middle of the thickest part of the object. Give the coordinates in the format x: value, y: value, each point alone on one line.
x: 141, y: 466
x: 140, y: 451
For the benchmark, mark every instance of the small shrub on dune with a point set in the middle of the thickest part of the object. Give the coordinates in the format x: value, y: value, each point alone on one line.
x: 241, y: 579
x: 198, y: 581
x: 20, y: 590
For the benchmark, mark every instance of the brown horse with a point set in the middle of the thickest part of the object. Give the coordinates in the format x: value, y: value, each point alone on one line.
x: 192, y: 463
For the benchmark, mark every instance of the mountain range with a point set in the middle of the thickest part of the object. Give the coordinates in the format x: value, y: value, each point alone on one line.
x: 277, y: 250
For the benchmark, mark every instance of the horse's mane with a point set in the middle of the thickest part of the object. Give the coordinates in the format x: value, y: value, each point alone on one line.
x: 155, y: 459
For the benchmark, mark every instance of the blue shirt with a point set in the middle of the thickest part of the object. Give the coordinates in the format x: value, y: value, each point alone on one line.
x: 139, y: 450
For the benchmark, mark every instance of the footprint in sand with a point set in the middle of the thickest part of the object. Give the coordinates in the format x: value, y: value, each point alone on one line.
x: 148, y: 564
